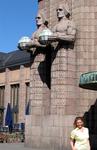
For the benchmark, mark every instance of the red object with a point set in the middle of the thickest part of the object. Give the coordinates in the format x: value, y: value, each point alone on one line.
x: 40, y: 0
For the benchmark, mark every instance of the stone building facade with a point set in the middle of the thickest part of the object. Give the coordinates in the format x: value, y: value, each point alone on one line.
x: 55, y: 105
x: 14, y: 84
x: 53, y: 78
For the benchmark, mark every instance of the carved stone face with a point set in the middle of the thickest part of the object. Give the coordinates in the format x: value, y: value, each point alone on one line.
x: 39, y: 20
x: 60, y: 12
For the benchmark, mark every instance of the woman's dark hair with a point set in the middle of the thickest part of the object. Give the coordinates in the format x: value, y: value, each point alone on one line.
x: 76, y: 119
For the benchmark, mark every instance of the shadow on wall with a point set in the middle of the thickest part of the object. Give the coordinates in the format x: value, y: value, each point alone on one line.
x: 44, y: 67
x: 50, y: 53
x: 90, y: 118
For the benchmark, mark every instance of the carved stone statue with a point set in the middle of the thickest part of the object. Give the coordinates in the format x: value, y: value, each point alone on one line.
x: 42, y: 24
x: 65, y: 29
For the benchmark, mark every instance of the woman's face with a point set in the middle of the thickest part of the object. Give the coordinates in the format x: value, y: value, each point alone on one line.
x: 79, y: 123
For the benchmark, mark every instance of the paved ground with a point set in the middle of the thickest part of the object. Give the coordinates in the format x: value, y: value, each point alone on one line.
x: 13, y: 146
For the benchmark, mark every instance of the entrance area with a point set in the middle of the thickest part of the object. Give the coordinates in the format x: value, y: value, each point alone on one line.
x: 89, y: 81
x: 1, y: 115
x: 91, y: 122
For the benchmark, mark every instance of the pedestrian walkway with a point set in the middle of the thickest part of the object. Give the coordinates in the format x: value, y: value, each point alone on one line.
x: 13, y: 146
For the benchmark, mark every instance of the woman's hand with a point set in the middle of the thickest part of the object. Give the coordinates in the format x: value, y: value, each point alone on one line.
x: 74, y: 148
x: 72, y: 143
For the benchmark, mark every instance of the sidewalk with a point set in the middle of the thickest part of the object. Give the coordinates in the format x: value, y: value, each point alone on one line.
x: 13, y: 146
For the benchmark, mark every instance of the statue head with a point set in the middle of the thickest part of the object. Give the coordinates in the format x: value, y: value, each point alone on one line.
x: 63, y: 10
x: 40, y: 19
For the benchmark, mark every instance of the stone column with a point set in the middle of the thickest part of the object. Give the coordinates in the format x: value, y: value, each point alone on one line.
x: 52, y: 130
x: 63, y: 88
x: 7, y: 90
x: 22, y: 94
x: 39, y: 97
x: 85, y: 17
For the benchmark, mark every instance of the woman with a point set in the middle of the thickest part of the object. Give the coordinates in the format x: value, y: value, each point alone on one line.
x: 79, y: 139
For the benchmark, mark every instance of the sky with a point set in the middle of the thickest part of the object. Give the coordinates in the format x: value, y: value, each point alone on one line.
x: 17, y: 20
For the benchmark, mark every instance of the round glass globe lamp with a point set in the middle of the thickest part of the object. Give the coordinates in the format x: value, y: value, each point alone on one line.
x: 43, y: 37
x: 22, y: 44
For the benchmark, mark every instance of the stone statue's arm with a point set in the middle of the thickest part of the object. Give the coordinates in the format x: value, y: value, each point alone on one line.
x: 71, y: 31
x: 61, y: 36
x: 68, y: 35
x: 34, y: 43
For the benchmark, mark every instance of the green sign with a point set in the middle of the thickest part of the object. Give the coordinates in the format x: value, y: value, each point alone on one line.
x: 89, y: 80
